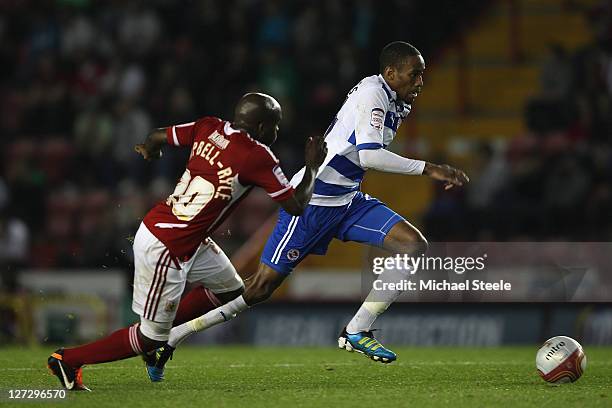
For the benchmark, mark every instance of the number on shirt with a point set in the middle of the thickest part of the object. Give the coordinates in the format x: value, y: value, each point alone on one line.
x: 190, y: 196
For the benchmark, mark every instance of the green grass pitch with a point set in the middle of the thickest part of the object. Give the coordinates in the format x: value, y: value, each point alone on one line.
x: 320, y: 377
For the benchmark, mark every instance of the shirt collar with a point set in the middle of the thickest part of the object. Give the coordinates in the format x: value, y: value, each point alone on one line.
x: 401, y: 106
x: 228, y: 129
x: 390, y: 92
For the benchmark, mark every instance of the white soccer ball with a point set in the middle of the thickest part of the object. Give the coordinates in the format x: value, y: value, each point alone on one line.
x: 560, y: 360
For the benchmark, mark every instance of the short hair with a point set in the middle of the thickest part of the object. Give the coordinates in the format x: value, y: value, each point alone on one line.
x: 395, y: 54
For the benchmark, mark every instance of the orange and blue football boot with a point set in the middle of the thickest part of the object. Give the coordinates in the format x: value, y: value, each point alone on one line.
x: 70, y: 378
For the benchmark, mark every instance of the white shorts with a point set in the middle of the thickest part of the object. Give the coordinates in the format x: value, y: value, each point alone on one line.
x: 159, y: 278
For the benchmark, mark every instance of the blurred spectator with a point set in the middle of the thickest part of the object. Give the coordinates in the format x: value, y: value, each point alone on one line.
x: 274, y: 26
x: 139, y: 28
x: 490, y: 174
x: 132, y: 124
x: 14, y: 246
x: 556, y: 74
x: 93, y: 131
x: 79, y: 35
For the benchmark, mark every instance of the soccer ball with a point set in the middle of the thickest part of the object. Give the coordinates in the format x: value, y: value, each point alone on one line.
x: 560, y: 360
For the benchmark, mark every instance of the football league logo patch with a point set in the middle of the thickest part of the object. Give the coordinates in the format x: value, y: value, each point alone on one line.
x: 378, y: 118
x: 293, y: 254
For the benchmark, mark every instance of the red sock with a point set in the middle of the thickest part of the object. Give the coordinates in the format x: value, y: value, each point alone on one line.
x: 121, y: 344
x: 197, y: 302
x: 124, y: 343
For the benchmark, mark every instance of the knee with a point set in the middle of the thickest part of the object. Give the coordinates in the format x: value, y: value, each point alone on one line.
x: 415, y: 246
x: 405, y: 239
x: 262, y: 285
x: 421, y: 245
x: 153, y: 335
x: 257, y: 293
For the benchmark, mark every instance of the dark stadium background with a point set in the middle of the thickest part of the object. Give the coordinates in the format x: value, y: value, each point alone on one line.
x: 519, y: 93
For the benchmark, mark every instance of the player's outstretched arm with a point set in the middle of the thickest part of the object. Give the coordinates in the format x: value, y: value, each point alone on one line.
x: 151, y: 148
x: 384, y: 160
x: 316, y: 150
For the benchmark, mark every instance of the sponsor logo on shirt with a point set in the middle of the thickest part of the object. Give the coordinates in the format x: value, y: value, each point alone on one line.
x: 170, y: 306
x: 377, y: 119
x: 218, y: 140
x: 280, y: 176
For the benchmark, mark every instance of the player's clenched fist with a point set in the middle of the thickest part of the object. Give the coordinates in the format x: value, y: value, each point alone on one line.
x: 450, y: 175
x: 316, y: 151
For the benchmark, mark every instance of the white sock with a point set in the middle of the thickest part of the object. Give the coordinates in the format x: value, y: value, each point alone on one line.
x: 376, y: 302
x: 219, y: 315
x: 363, y: 319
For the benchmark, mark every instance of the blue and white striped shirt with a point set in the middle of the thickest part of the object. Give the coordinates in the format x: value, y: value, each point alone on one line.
x: 368, y: 119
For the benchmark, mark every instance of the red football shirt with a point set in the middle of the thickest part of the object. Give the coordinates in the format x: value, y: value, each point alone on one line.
x: 225, y: 163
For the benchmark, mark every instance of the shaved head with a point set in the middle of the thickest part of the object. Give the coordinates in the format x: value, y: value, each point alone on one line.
x: 258, y: 113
